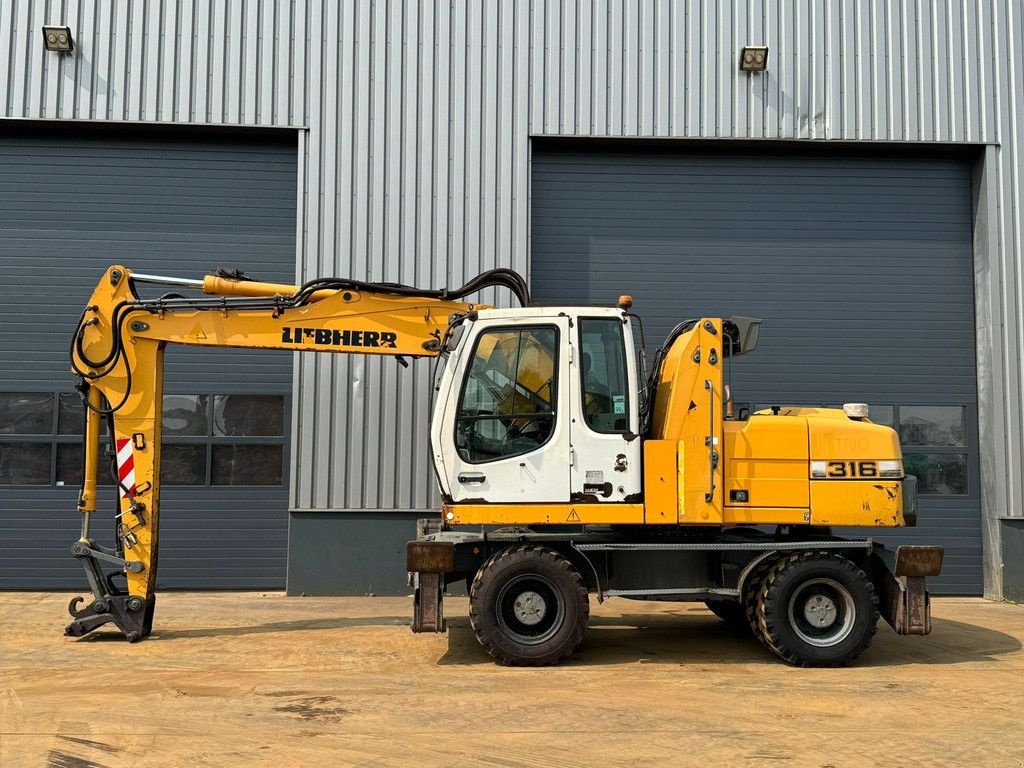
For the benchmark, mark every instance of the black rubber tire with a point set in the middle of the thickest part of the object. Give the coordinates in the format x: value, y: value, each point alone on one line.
x: 729, y: 611
x: 751, y: 590
x: 519, y: 564
x: 775, y: 621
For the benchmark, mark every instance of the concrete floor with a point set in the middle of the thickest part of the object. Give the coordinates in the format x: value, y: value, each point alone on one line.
x: 257, y: 679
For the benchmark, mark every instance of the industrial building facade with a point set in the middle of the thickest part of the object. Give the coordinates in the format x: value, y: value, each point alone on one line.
x: 861, y: 195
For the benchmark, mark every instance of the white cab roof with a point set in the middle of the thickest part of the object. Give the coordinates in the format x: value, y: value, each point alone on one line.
x: 521, y: 313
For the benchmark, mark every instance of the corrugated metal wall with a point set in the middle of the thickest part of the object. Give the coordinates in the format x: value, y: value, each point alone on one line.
x: 417, y: 154
x: 204, y: 61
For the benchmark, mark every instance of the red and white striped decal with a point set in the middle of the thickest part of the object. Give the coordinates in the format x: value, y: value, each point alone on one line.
x: 125, y: 466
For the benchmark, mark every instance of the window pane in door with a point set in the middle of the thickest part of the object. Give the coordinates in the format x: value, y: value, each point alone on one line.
x: 247, y: 465
x: 26, y: 413
x: 507, y: 403
x: 603, y: 375
x: 932, y: 425
x: 24, y: 463
x: 71, y: 414
x: 944, y: 474
x: 248, y: 415
x: 881, y: 414
x: 183, y: 464
x: 69, y: 464
x: 185, y: 415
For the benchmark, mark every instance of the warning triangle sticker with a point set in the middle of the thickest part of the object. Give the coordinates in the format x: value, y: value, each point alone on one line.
x: 197, y: 333
x: 573, y: 517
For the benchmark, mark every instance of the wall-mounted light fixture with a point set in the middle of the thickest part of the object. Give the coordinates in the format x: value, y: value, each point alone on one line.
x: 753, y: 58
x: 58, y: 39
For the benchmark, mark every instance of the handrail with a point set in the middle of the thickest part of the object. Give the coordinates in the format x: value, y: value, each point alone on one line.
x: 710, y: 441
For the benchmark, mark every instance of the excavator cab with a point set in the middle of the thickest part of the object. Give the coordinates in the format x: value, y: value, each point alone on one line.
x: 539, y: 406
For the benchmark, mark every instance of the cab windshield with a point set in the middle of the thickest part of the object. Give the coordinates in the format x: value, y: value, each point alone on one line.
x: 507, y: 406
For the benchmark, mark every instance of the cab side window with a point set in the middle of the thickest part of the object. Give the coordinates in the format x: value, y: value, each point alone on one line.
x: 507, y: 407
x: 603, y: 375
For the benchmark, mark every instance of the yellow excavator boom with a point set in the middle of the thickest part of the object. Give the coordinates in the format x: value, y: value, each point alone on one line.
x: 117, y: 352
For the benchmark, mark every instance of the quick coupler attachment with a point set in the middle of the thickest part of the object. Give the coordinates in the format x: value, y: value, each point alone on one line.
x: 131, y: 614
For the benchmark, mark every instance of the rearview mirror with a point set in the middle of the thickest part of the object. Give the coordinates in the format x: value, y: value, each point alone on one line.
x: 452, y: 339
x: 743, y: 333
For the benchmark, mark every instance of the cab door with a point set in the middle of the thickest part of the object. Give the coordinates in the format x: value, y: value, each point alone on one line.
x: 606, y: 448
x: 505, y: 424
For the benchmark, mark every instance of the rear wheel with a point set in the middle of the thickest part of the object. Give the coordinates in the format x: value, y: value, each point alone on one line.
x: 817, y: 609
x: 528, y: 606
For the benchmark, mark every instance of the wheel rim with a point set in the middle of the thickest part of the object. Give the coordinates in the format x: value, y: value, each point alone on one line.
x: 530, y: 609
x: 822, y: 612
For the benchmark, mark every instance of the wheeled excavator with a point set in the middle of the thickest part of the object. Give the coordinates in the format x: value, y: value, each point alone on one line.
x: 566, y: 469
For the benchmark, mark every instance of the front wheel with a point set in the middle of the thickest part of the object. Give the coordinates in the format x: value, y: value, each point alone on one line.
x: 816, y: 609
x: 528, y: 606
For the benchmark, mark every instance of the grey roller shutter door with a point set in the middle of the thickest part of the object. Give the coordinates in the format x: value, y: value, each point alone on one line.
x: 76, y: 200
x: 860, y: 265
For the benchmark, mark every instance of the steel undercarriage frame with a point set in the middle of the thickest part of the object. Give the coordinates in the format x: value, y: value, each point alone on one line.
x: 669, y: 564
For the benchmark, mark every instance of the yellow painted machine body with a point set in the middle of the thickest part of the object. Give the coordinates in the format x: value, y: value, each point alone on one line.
x: 698, y: 466
x: 687, y: 463
x: 767, y: 474
x: 703, y: 468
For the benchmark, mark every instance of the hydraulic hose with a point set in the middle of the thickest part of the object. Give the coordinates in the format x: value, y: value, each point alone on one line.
x: 494, y: 278
x: 656, y: 366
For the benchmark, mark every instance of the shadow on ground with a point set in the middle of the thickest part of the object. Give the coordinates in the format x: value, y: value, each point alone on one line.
x: 703, y: 639
x: 951, y: 642
x: 299, y: 625
x: 685, y: 637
